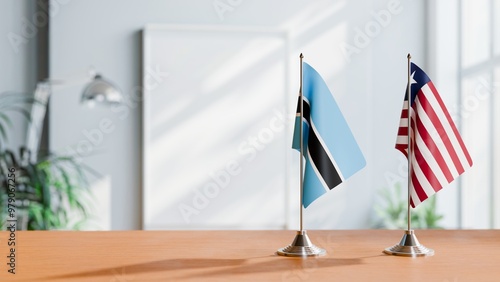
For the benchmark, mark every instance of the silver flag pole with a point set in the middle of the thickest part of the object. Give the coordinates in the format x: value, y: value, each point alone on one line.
x: 301, y: 245
x: 409, y: 245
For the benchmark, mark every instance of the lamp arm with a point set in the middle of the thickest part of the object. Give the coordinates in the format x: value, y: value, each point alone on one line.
x: 38, y: 111
x: 97, y: 88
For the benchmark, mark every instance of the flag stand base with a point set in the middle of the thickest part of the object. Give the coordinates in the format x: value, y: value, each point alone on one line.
x: 409, y: 247
x: 301, y: 247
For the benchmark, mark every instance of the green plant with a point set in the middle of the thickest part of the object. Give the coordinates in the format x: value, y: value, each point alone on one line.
x: 52, y: 191
x: 393, y: 213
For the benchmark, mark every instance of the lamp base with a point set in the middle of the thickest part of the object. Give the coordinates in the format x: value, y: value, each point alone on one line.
x: 301, y: 247
x: 409, y: 247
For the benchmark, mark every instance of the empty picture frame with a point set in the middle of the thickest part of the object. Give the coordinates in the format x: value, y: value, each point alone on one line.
x: 216, y: 127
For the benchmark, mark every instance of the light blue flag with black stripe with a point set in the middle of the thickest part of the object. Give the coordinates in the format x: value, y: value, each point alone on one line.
x: 330, y: 150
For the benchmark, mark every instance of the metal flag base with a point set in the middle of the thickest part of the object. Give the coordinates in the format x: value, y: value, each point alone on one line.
x: 301, y: 247
x: 409, y: 247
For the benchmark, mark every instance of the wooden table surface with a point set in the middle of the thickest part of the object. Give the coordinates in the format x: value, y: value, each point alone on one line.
x: 354, y: 255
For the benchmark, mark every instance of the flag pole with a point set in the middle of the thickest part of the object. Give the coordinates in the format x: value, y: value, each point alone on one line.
x: 302, y: 155
x: 301, y: 245
x: 408, y: 89
x: 409, y: 246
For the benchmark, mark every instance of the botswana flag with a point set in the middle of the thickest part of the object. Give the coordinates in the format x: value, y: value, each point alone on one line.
x: 330, y: 150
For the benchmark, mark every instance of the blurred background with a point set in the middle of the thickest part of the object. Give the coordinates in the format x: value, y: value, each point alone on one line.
x: 201, y: 138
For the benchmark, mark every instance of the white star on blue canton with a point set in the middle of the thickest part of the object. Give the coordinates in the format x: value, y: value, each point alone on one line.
x: 413, y: 81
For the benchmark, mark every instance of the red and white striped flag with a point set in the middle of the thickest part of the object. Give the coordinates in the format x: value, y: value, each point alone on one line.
x: 438, y: 153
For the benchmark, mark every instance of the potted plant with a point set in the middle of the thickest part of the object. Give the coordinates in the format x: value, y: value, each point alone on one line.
x: 50, y: 193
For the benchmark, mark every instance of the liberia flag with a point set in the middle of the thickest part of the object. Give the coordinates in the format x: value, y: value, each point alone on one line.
x: 437, y: 153
x: 330, y: 150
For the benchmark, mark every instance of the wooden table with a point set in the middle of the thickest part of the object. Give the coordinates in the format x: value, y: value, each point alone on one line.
x: 461, y: 255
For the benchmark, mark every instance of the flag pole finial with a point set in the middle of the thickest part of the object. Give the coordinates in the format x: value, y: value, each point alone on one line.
x: 408, y: 56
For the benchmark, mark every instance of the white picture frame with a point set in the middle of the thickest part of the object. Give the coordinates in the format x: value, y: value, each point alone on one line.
x: 216, y: 127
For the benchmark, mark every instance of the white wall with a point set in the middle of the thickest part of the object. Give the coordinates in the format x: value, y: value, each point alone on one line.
x: 368, y: 85
x: 17, y: 57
